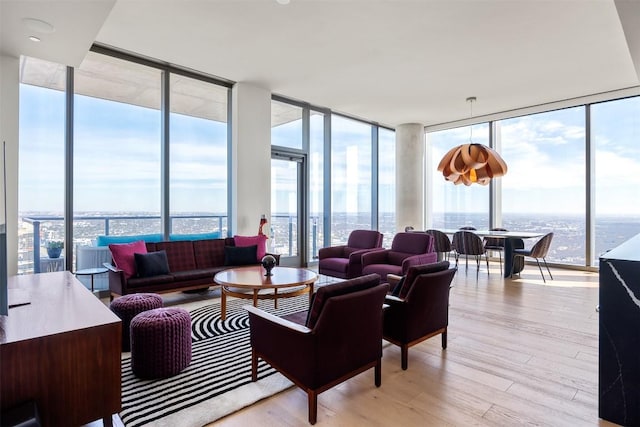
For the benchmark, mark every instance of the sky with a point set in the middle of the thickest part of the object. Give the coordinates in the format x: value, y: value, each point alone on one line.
x: 117, y: 160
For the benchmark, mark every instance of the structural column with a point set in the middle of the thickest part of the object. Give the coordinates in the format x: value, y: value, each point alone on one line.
x: 250, y: 157
x: 410, y: 176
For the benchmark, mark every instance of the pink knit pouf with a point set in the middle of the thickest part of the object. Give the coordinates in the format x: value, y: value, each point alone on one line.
x: 160, y: 343
x: 129, y: 306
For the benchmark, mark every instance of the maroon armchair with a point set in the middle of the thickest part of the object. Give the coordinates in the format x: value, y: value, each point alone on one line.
x: 345, y: 261
x: 419, y: 307
x: 407, y: 249
x: 342, y: 338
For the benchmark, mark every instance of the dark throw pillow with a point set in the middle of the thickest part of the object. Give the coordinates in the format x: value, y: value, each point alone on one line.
x: 151, y: 264
x: 240, y: 255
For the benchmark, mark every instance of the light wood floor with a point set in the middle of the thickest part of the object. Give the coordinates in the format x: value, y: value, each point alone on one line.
x: 520, y: 352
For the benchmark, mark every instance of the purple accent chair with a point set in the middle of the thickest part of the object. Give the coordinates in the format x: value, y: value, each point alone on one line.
x: 421, y: 308
x: 341, y: 338
x: 345, y: 261
x: 407, y: 249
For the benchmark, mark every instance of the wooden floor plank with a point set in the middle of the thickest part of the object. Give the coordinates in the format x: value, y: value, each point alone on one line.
x: 520, y: 352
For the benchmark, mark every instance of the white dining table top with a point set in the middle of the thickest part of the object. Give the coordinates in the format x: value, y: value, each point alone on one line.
x: 500, y: 234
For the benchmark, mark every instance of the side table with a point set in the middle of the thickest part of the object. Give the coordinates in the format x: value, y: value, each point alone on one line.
x: 91, y: 272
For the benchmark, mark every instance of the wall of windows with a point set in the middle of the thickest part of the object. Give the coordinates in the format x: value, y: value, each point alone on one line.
x: 547, y: 184
x: 454, y: 206
x: 615, y: 138
x: 351, y: 174
x: 116, y: 145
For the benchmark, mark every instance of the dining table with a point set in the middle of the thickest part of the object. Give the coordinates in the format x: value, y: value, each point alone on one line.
x: 513, y: 240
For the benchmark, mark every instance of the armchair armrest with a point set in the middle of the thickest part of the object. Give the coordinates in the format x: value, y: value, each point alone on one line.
x: 277, y: 320
x: 331, y: 252
x: 393, y: 279
x: 375, y: 257
x: 428, y: 258
x: 393, y: 300
x: 356, y: 256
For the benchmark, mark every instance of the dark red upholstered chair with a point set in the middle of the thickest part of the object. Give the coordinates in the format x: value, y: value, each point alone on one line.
x: 407, y: 249
x: 342, y: 338
x: 345, y: 261
x: 419, y: 307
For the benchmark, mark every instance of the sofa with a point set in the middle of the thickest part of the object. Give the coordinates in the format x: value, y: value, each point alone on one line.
x: 191, y: 265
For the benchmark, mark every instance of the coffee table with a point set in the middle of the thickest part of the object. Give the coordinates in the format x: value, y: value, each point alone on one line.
x: 251, y: 283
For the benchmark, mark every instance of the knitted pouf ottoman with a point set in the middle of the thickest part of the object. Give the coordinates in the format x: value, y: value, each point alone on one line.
x: 127, y: 307
x: 160, y: 343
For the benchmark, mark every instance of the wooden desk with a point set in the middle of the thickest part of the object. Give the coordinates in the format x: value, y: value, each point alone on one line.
x: 62, y: 351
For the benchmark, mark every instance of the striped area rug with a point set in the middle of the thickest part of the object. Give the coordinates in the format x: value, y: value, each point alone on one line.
x: 218, y: 380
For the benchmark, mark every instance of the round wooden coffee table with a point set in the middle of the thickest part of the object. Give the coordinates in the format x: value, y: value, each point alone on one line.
x: 251, y: 283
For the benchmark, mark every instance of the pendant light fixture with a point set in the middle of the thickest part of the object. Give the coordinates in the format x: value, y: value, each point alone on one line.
x: 471, y: 163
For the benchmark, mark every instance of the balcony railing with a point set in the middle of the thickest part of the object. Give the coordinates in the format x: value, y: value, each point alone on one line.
x: 283, y: 232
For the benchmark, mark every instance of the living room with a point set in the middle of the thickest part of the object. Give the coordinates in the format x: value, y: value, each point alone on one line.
x: 577, y: 89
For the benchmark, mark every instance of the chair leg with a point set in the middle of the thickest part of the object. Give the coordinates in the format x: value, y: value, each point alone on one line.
x: 545, y: 264
x: 541, y: 273
x: 486, y: 258
x: 404, y: 356
x: 378, y: 373
x: 254, y: 366
x: 313, y: 406
x: 500, y: 257
x: 444, y: 340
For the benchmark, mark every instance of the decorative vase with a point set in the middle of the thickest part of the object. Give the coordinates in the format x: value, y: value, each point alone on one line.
x: 54, y: 252
x: 268, y: 262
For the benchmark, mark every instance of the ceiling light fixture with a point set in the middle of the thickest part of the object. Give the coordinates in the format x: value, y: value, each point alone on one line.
x: 283, y: 1
x: 34, y: 38
x: 38, y: 25
x: 471, y: 163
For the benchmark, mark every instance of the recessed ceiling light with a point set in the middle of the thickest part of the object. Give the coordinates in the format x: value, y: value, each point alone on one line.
x: 34, y: 38
x: 38, y: 25
x: 283, y: 1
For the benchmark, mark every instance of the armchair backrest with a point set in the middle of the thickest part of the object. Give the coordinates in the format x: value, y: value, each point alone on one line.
x: 325, y: 293
x: 365, y: 239
x: 403, y: 287
x: 348, y: 332
x: 428, y: 299
x: 412, y: 243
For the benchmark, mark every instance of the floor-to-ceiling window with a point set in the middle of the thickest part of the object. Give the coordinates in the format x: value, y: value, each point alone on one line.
x: 615, y: 138
x: 198, y: 153
x: 351, y: 174
x: 454, y: 206
x: 544, y: 189
x: 387, y: 184
x: 41, y: 163
x: 115, y: 150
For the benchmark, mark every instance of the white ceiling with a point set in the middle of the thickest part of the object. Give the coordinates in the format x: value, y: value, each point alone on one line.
x: 393, y: 61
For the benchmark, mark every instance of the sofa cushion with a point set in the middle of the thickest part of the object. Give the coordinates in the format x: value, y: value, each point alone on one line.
x: 122, y: 255
x: 240, y: 255
x: 260, y: 241
x: 209, y: 253
x: 335, y: 289
x: 143, y: 282
x: 151, y: 264
x: 179, y: 254
x: 204, y: 273
x: 336, y: 264
x: 109, y: 239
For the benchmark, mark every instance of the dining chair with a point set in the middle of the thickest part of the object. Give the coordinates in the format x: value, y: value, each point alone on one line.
x: 537, y: 251
x: 469, y: 243
x: 495, y: 244
x: 454, y: 240
x: 441, y: 243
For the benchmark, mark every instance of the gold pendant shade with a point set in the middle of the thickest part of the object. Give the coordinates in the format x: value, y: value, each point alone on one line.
x: 472, y: 163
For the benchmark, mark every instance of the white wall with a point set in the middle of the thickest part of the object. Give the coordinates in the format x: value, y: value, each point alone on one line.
x: 250, y: 157
x: 9, y: 109
x: 410, y: 176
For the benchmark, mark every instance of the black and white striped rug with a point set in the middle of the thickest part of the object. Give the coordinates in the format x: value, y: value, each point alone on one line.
x: 218, y: 380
